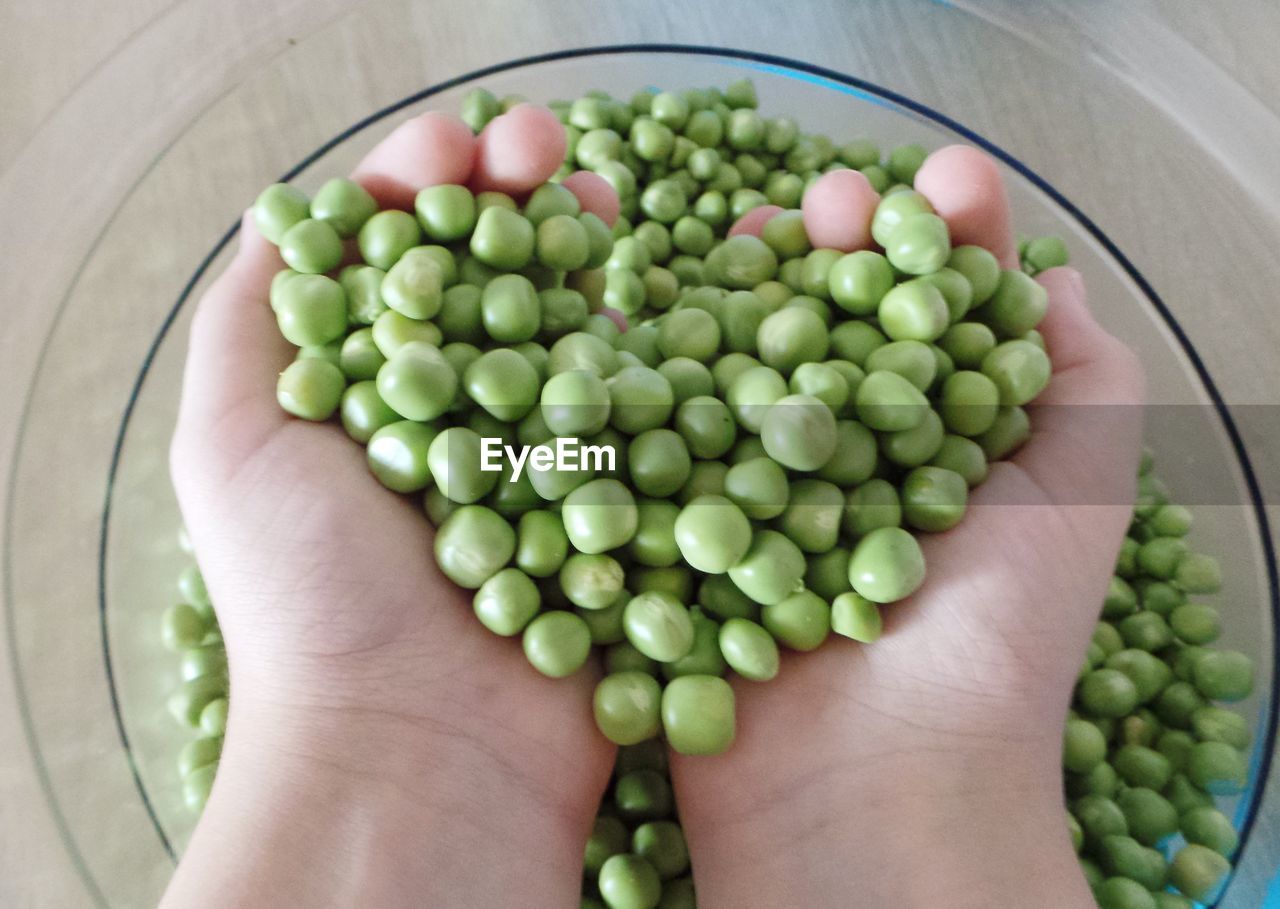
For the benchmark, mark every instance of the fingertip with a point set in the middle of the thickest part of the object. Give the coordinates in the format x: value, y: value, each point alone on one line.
x: 519, y: 150
x: 837, y: 210
x: 595, y: 194
x: 753, y: 222
x: 966, y: 189
x: 428, y: 150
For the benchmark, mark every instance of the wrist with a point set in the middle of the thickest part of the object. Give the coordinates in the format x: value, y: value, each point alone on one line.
x: 985, y: 829
x: 348, y: 808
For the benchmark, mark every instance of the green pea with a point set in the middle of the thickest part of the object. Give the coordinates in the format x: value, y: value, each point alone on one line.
x: 1224, y: 675
x: 417, y: 382
x: 790, y: 337
x: 193, y: 695
x: 364, y: 412
x: 311, y: 310
x: 799, y: 431
x: 183, y: 627
x: 344, y: 205
x: 914, y: 310
x: 575, y: 403
x: 741, y: 262
x: 980, y: 267
x: 1107, y: 693
x: 197, y: 785
x: 207, y: 659
x: 627, y: 881
x: 1142, y: 766
x: 456, y: 462
x: 1123, y: 893
x: 1149, y: 674
x: 859, y: 280
x: 905, y: 160
x: 654, y: 542
x: 507, y: 602
x: 955, y: 289
x: 749, y: 649
x: 557, y: 643
x: 707, y: 426
x: 970, y: 401
x: 397, y: 455
x: 591, y: 581
x: 1012, y: 428
x: 1150, y: 816
x: 1045, y: 252
x: 692, y: 333
x: 1210, y: 827
x: 712, y: 533
x: 1019, y: 369
x: 659, y: 463
x: 473, y: 544
x: 802, y: 621
x: 659, y: 626
x: 1017, y: 306
x: 502, y: 239
x: 893, y: 210
x: 933, y: 499
x: 886, y: 565
x: 609, y: 836
x: 600, y: 515
x: 278, y: 208
x: 542, y: 544
x: 640, y: 399
x: 626, y: 706
x: 447, y: 212
x: 919, y: 244
x: 704, y: 657
x: 772, y: 568
x: 1217, y: 768
x: 1198, y: 573
x: 1126, y: 857
x: 386, y: 236
x: 784, y: 233
x: 698, y: 714
x: 871, y: 505
x: 887, y: 402
x: 1199, y: 872
x: 661, y: 843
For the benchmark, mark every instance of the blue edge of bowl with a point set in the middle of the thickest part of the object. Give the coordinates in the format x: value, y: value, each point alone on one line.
x: 777, y: 65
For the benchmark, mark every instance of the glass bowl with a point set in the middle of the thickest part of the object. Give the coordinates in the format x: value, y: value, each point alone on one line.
x: 92, y: 553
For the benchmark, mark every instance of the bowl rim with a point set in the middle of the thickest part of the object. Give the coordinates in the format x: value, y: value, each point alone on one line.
x: 764, y: 62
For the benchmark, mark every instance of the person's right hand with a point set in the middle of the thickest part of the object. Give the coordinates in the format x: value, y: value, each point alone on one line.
x: 925, y: 769
x: 384, y: 748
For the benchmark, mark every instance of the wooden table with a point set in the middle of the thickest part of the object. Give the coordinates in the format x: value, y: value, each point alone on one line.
x: 132, y: 132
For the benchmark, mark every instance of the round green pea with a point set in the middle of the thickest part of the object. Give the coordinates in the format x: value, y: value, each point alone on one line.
x: 698, y: 714
x: 417, y: 382
x: 772, y: 568
x: 659, y: 626
x: 473, y: 544
x: 600, y: 515
x: 887, y: 565
x: 799, y: 431
x: 507, y: 602
x: 712, y: 533
x: 557, y: 643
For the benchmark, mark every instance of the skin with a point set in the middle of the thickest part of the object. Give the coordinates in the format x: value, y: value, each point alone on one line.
x: 943, y: 739
x: 385, y: 749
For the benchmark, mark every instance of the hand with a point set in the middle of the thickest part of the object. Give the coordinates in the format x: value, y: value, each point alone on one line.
x: 925, y: 769
x: 384, y: 748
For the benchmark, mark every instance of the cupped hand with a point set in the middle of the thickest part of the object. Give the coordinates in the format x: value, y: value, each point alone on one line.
x: 370, y: 707
x: 924, y: 769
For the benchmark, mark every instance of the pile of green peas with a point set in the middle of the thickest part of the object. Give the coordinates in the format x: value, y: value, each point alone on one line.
x: 199, y: 702
x: 1149, y: 745
x: 780, y: 421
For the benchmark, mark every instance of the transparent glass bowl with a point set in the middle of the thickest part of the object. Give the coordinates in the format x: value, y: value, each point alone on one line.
x: 92, y: 552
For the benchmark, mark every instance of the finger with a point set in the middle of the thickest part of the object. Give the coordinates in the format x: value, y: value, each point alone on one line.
x: 753, y: 222
x: 1088, y: 423
x: 1063, y: 501
x: 428, y: 150
x: 964, y: 186
x: 595, y: 194
x: 519, y: 150
x: 235, y: 354
x: 838, y: 209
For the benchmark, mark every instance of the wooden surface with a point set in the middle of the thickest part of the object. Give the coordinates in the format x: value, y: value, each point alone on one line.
x: 132, y: 132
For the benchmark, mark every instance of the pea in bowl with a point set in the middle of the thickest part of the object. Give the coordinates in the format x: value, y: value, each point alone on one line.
x: 124, y: 725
